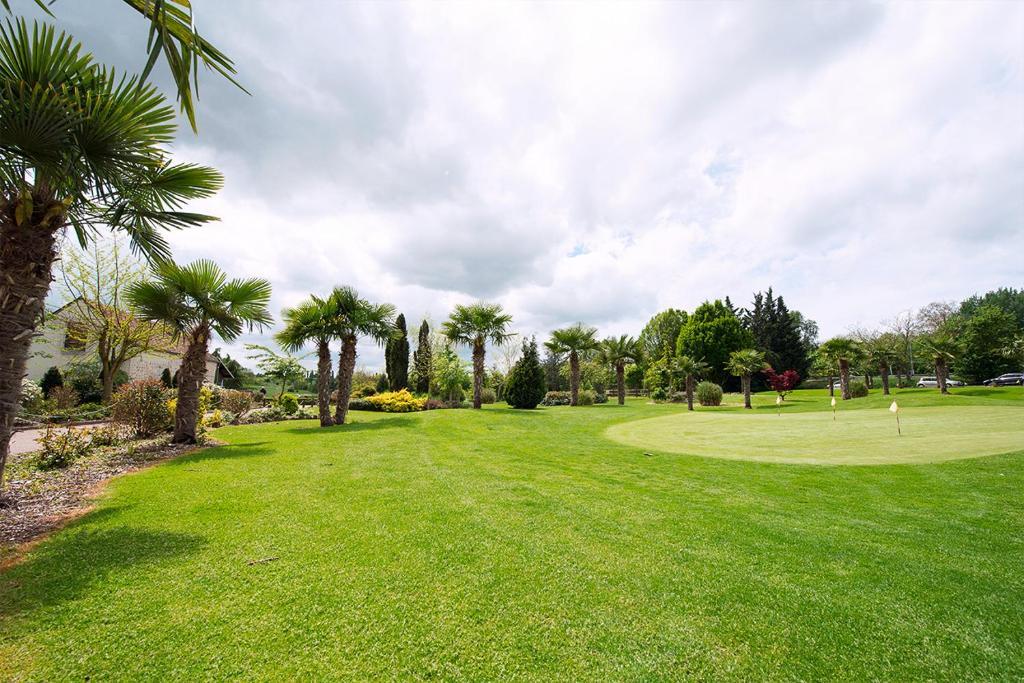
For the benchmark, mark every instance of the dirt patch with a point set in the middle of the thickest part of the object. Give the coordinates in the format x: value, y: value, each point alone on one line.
x: 37, y: 502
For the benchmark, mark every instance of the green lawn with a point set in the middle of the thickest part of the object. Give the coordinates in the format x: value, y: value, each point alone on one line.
x: 498, y: 544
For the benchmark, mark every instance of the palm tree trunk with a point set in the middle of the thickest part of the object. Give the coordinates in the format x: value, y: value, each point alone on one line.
x: 478, y: 374
x: 620, y: 381
x: 190, y: 382
x: 745, y: 382
x: 831, y: 386
x: 689, y: 392
x: 574, y: 378
x: 885, y: 379
x: 323, y: 382
x: 844, y: 378
x: 27, y: 253
x: 940, y: 375
x: 346, y: 367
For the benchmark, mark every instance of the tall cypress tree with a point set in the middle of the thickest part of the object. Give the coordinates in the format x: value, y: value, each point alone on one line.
x: 421, y: 360
x: 396, y: 356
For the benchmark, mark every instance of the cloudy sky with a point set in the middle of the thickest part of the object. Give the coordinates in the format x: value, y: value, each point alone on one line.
x: 600, y: 162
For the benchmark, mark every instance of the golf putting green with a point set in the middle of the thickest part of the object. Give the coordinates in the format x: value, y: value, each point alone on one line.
x: 856, y: 437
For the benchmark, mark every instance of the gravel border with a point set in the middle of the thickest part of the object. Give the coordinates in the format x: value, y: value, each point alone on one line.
x: 37, y: 502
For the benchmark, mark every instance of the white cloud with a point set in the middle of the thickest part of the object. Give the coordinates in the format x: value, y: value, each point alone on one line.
x: 602, y: 162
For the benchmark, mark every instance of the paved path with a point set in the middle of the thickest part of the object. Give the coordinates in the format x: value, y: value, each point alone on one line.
x: 25, y: 441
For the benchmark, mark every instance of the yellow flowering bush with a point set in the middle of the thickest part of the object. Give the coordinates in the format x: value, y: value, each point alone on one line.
x: 396, y: 402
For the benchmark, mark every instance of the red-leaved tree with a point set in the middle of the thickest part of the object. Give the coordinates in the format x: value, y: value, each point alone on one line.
x: 782, y: 383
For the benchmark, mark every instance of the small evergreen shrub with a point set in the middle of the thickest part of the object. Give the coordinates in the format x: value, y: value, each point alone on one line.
x: 709, y: 394
x: 260, y: 415
x: 557, y: 398
x: 678, y: 397
x: 52, y: 378
x: 383, y: 385
x: 364, y: 391
x: 658, y: 394
x: 165, y: 378
x: 433, y: 404
x: 586, y: 397
x: 600, y: 395
x: 487, y: 395
x: 61, y: 447
x: 858, y: 390
x: 289, y: 403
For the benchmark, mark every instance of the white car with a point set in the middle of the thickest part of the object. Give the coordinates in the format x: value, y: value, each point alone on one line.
x: 933, y: 382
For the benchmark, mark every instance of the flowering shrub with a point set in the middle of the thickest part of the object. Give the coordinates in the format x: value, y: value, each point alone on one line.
x: 61, y: 447
x: 557, y: 398
x: 273, y: 413
x: 215, y: 419
x: 31, y: 396
x: 397, y: 402
x: 709, y: 394
x: 142, y: 407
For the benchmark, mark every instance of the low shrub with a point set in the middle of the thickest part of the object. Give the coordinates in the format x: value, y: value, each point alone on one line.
x: 434, y: 404
x: 142, y: 406
x: 709, y: 394
x: 586, y: 397
x: 397, y: 402
x: 235, y: 401
x: 488, y: 395
x: 858, y: 390
x: 678, y: 397
x: 108, y: 434
x: 361, y: 404
x: 215, y: 418
x: 63, y: 397
x: 600, y: 396
x: 289, y: 403
x: 658, y: 394
x: 61, y: 447
x: 267, y: 414
x: 557, y: 398
x: 364, y: 391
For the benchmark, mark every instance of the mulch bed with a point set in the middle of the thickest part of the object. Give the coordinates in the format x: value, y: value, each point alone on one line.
x: 36, y: 502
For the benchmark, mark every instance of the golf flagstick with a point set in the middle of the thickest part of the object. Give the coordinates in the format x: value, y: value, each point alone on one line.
x: 778, y: 402
x: 896, y: 409
x: 833, y: 408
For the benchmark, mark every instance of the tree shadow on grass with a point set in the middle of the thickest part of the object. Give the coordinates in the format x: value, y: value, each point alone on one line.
x: 397, y: 422
x: 81, y: 557
x: 226, y: 452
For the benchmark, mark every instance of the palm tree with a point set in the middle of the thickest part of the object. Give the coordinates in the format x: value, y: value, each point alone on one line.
x: 311, y: 321
x: 197, y: 300
x: 350, y: 318
x: 881, y: 352
x: 617, y: 352
x: 743, y: 364
x: 83, y: 149
x: 943, y: 348
x: 474, y: 325
x: 691, y: 369
x: 574, y: 340
x: 841, y: 352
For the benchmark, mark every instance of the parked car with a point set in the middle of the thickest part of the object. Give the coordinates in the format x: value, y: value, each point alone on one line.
x: 934, y: 382
x: 1005, y: 380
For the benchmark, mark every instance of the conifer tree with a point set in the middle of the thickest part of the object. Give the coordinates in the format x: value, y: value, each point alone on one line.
x: 525, y: 386
x: 421, y: 360
x: 396, y: 356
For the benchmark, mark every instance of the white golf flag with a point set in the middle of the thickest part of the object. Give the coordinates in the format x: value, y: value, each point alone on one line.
x: 778, y: 400
x: 833, y: 401
x: 894, y: 408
